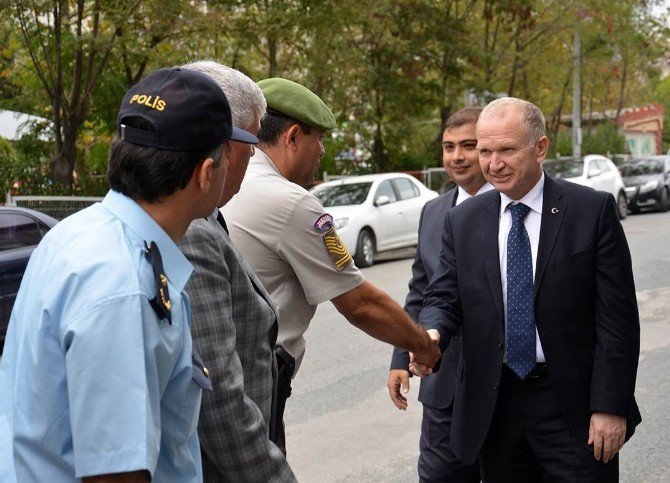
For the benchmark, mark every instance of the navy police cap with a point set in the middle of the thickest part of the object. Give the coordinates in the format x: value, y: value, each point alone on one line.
x: 187, y: 110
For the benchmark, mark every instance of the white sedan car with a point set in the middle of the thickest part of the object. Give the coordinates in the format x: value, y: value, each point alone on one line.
x: 592, y: 170
x: 375, y: 213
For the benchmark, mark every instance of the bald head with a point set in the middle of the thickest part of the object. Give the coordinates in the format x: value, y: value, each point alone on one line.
x: 531, y: 115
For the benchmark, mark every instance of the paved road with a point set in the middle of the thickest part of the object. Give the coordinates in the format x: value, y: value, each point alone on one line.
x: 342, y: 427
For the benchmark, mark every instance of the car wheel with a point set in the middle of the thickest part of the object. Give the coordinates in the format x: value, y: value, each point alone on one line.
x: 365, y: 249
x: 664, y: 202
x: 622, y: 205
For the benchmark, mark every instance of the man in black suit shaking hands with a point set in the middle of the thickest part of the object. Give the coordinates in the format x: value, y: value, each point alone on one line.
x: 539, y: 277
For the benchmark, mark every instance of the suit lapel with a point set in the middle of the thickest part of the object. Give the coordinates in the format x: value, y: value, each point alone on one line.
x: 489, y: 222
x: 554, y: 206
x: 452, y: 197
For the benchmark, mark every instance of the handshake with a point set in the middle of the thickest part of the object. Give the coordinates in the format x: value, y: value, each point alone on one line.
x: 422, y: 363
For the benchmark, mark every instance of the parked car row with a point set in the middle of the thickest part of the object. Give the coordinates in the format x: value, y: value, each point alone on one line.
x: 21, y: 230
x: 593, y: 170
x: 636, y: 185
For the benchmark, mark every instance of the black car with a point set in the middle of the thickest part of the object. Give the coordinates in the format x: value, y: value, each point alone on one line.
x: 21, y: 230
x: 647, y: 183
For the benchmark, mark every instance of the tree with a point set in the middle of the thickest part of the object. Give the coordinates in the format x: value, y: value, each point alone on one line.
x: 69, y: 44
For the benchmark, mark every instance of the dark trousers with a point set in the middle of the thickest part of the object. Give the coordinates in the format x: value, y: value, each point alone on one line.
x: 285, y: 368
x: 437, y: 463
x: 529, y: 439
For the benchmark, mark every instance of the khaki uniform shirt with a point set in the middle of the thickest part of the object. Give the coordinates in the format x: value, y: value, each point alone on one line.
x: 283, y: 232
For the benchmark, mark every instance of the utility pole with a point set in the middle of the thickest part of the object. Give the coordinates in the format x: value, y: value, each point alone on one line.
x: 576, y: 98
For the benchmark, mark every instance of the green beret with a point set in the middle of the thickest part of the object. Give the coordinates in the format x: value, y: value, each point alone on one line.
x: 298, y: 102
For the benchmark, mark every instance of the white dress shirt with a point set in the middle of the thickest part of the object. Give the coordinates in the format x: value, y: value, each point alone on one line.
x: 533, y: 200
x: 464, y: 195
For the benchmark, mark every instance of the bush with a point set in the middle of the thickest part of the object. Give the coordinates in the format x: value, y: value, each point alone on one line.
x: 601, y: 139
x: 604, y: 138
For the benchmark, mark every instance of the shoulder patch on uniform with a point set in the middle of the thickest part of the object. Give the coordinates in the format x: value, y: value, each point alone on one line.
x: 323, y: 222
x: 339, y: 254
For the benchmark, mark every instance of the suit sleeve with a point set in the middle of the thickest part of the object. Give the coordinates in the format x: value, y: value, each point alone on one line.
x: 617, y: 322
x: 414, y: 300
x: 232, y: 431
x: 442, y: 306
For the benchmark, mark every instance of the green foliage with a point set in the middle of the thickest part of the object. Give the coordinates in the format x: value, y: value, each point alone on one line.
x: 7, y: 160
x: 23, y: 167
x: 662, y: 96
x: 564, y: 144
x: 602, y: 139
x: 391, y: 70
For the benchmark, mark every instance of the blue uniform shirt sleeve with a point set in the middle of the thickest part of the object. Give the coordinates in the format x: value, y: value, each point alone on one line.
x: 112, y: 372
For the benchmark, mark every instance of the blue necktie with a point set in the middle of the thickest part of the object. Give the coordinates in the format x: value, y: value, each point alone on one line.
x: 520, y: 307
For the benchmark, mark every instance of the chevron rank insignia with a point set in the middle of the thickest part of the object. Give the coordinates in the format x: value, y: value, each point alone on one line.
x: 336, y: 249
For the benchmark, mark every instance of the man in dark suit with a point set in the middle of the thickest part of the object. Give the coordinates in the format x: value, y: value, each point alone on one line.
x: 539, y: 277
x: 461, y: 162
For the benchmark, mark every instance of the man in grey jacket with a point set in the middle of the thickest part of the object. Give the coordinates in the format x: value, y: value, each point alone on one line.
x: 234, y: 323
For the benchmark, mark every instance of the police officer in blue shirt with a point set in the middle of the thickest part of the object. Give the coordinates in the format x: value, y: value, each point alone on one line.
x: 98, y: 380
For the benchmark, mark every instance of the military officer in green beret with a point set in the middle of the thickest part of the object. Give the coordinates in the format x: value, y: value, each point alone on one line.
x: 290, y: 241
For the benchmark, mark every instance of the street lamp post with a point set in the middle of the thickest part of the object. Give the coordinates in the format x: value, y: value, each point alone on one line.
x: 576, y: 98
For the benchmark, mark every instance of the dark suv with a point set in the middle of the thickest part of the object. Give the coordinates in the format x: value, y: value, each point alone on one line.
x: 21, y: 230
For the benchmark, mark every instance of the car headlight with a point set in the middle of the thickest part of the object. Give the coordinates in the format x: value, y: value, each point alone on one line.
x: 340, y: 223
x: 649, y: 186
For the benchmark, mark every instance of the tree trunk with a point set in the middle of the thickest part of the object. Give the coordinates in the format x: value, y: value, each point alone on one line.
x: 622, y: 90
x: 272, y: 56
x: 379, y: 150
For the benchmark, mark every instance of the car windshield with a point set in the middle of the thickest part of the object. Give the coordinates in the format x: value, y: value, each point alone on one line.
x: 564, y: 168
x: 343, y: 194
x: 639, y: 168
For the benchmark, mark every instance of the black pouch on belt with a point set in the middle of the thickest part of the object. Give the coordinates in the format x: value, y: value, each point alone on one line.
x: 286, y: 367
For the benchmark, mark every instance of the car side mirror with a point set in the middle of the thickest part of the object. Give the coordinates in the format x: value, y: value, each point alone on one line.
x: 382, y: 200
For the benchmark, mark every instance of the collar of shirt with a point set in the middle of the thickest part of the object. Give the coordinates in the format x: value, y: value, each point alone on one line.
x: 260, y: 162
x: 177, y: 267
x: 533, y: 198
x: 464, y: 195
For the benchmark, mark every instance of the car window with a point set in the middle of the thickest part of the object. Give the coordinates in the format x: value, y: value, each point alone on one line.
x: 596, y: 167
x: 344, y: 194
x: 642, y: 167
x: 386, y: 189
x: 17, y: 231
x: 406, y: 188
x: 564, y: 168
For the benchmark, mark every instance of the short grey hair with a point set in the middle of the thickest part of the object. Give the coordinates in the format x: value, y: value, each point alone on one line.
x: 246, y: 99
x: 531, y: 114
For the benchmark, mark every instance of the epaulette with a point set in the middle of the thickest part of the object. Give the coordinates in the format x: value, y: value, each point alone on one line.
x: 161, y: 302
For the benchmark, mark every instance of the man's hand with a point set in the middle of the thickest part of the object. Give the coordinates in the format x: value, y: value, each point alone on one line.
x: 398, y: 384
x: 607, y: 434
x: 421, y: 364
